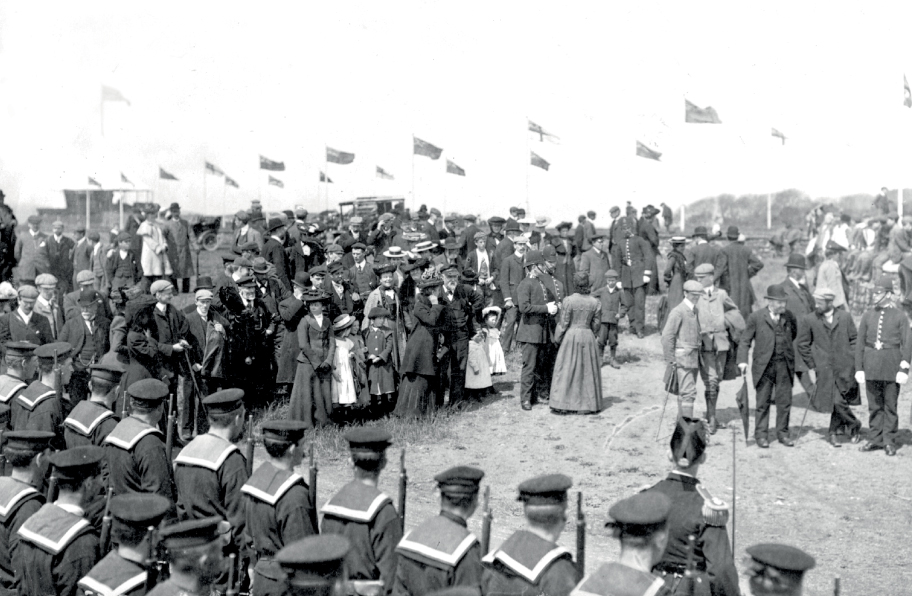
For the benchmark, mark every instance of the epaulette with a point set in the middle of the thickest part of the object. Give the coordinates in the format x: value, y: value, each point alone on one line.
x: 715, y: 511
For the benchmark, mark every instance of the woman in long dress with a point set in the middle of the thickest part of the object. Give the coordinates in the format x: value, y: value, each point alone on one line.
x: 418, y: 362
x: 576, y: 387
x: 311, y: 395
x: 154, y: 258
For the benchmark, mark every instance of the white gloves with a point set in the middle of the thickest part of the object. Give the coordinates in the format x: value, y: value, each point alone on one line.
x: 552, y: 308
x: 306, y: 250
x: 646, y: 279
x: 859, y: 376
x: 902, y: 377
x: 743, y: 367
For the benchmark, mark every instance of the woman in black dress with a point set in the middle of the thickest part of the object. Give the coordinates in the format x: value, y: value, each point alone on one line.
x: 418, y: 362
x: 311, y: 395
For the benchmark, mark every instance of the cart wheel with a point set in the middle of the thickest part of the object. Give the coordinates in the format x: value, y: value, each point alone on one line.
x: 209, y: 241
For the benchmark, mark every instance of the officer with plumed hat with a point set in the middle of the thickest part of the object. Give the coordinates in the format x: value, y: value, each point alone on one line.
x: 92, y: 420
x: 315, y: 566
x: 365, y: 515
x: 278, y: 507
x: 58, y: 545
x: 778, y: 569
x: 136, y: 453
x: 441, y: 552
x: 640, y: 523
x: 530, y: 561
x: 36, y: 407
x: 195, y: 560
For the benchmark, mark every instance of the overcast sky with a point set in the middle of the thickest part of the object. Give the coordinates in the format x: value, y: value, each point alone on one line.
x: 225, y: 83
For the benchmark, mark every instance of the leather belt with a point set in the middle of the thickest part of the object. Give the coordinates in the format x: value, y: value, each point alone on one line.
x: 882, y: 346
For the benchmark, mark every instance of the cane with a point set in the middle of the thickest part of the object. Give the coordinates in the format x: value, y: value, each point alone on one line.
x: 806, y: 408
x: 192, y: 375
x: 662, y: 417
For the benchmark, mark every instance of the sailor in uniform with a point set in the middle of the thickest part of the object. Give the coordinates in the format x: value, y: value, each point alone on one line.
x: 366, y: 516
x: 57, y: 545
x: 278, y: 508
x: 36, y: 406
x: 640, y: 524
x: 441, y: 552
x: 778, y: 569
x: 19, y: 499
x: 92, y: 420
x: 20, y: 369
x: 315, y: 566
x: 137, y: 460
x: 531, y: 562
x: 123, y: 570
x: 195, y: 560
x: 694, y: 512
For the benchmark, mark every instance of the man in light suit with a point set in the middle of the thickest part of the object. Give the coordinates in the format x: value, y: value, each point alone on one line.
x: 594, y: 262
x: 681, y: 346
x: 23, y: 324
x: 31, y: 252
x: 481, y: 260
x: 48, y: 303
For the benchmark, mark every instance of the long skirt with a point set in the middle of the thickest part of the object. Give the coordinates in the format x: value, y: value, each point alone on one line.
x: 577, y: 382
x: 415, y: 396
x: 311, y: 396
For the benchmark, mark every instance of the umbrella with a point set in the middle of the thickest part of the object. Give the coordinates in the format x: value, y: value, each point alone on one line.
x: 744, y: 407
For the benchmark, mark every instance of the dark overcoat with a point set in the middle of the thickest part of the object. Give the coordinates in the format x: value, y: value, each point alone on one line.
x: 421, y: 349
x: 799, y: 302
x: 760, y: 331
x: 742, y: 265
x: 830, y: 351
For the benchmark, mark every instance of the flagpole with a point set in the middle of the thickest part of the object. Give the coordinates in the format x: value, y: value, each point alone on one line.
x: 527, y: 163
x: 769, y: 211
x: 413, y: 170
x: 88, y: 208
x: 204, y: 185
x: 326, y: 174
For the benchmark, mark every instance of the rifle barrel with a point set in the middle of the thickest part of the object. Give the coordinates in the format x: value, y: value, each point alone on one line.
x: 486, y: 522
x: 106, y: 521
x: 250, y: 445
x: 232, y: 575
x: 152, y: 561
x: 51, y: 487
x: 403, y: 488
x: 580, y: 535
x: 169, y: 436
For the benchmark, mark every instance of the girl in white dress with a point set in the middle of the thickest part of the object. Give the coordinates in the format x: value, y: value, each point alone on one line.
x: 154, y: 258
x: 344, y: 392
x: 491, y: 316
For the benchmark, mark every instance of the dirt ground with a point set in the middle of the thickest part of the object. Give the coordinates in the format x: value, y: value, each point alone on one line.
x: 852, y: 511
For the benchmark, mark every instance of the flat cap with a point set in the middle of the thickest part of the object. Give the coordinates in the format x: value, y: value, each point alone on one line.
x: 550, y: 489
x: 148, y: 391
x: 28, y: 440
x: 451, y: 243
x: 192, y: 533
x: 360, y: 245
x: 693, y: 286
x: 824, y: 294
x: 368, y: 438
x: 243, y: 216
x: 642, y: 509
x: 242, y: 262
x: 704, y: 269
x: 469, y: 217
x: 451, y: 217
x: 356, y: 220
x: 124, y: 237
x: 85, y: 276
x: 521, y: 239
x: 334, y: 248
x: 378, y: 311
x: 315, y: 295
x: 496, y: 220
x: 224, y: 401
x: 45, y: 279
x: 160, y: 286
x: 300, y: 213
x: 480, y: 236
x: 108, y: 372
x: 611, y: 273
x: 78, y: 463
x: 318, y: 270
x: 284, y: 430
x: 250, y: 247
x: 449, y: 269
x: 34, y: 219
x: 61, y: 348
x: 314, y: 560
x: 432, y: 282
x: 782, y: 556
x: 460, y: 480
x: 28, y: 292
x: 386, y: 217
x: 19, y: 348
x: 139, y: 510
x: 335, y: 267
x: 203, y: 294
x: 732, y: 232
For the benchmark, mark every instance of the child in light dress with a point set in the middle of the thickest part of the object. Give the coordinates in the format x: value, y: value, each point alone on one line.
x: 491, y: 317
x: 348, y: 366
x: 478, y: 372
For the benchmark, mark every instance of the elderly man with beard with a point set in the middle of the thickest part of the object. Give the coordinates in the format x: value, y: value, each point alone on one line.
x: 458, y: 329
x: 537, y: 306
x: 89, y: 335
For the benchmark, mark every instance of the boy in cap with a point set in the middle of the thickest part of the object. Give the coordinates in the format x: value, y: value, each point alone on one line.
x: 30, y: 252
x: 778, y: 569
x: 640, y: 524
x: 278, y: 508
x: 681, y: 346
x: 21, y: 365
x: 36, y: 407
x: 25, y: 451
x: 22, y: 324
x: 123, y: 571
x: 613, y: 309
x: 122, y: 268
x: 89, y: 334
x: 195, y: 559
x: 92, y: 420
x: 441, y: 552
x: 530, y: 561
x: 381, y: 372
x: 315, y: 566
x: 57, y: 545
x: 366, y: 516
x: 137, y: 460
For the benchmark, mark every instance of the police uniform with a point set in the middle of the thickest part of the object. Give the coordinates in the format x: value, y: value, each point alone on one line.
x: 131, y: 516
x: 527, y: 564
x: 11, y: 385
x: 90, y: 422
x: 441, y: 552
x: 278, y: 509
x: 57, y: 545
x: 137, y: 460
x: 18, y: 502
x: 191, y: 534
x: 778, y: 569
x: 367, y: 518
x: 314, y: 565
x: 36, y: 407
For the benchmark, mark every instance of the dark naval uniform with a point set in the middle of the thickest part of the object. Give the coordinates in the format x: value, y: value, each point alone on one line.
x: 89, y: 423
x: 368, y: 519
x: 114, y: 576
x: 279, y: 512
x: 36, y: 408
x: 137, y: 461
x: 18, y: 502
x: 440, y: 553
x: 529, y: 565
x: 695, y: 512
x: 10, y: 387
x: 56, y: 548
x: 615, y: 579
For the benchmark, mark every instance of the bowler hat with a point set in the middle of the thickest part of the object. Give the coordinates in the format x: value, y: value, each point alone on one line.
x: 534, y: 258
x: 700, y: 231
x: 796, y: 261
x: 274, y: 224
x: 174, y: 207
x: 776, y: 292
x: 732, y: 232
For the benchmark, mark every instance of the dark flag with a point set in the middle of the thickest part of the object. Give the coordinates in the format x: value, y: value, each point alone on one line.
x: 779, y: 135
x: 112, y: 94
x: 907, y: 93
x: 276, y: 182
x: 165, y: 175
x: 744, y: 408
x: 325, y: 178
x: 381, y: 173
x: 125, y: 180
x: 273, y: 166
x: 213, y: 169
x: 452, y: 168
x: 696, y: 115
x: 94, y: 182
x: 340, y: 157
x: 424, y: 148
x: 538, y: 162
x: 644, y: 151
x: 231, y: 182
x: 542, y: 133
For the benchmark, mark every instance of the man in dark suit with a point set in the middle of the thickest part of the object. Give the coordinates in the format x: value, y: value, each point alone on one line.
x: 274, y: 251
x: 566, y: 251
x: 742, y: 265
x: 89, y: 335
x: 585, y: 231
x: 595, y: 262
x: 613, y: 230
x: 208, y: 330
x: 773, y: 330
x: 511, y: 271
x: 24, y: 324
x: 84, y: 280
x: 82, y: 253
x: 800, y: 303
x: 348, y: 239
x: 496, y: 234
x: 429, y: 226
x: 703, y: 251
x: 647, y: 229
x: 537, y: 306
x: 636, y: 264
x: 458, y: 301
x: 481, y: 260
x: 512, y: 231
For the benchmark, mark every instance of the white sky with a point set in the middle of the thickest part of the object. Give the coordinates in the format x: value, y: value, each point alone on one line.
x: 225, y: 83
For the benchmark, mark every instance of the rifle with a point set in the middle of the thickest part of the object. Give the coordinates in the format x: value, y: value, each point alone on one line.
x: 690, y: 570
x: 58, y: 381
x: 51, y: 487
x: 169, y: 436
x: 486, y: 520
x: 232, y: 576
x: 403, y: 488
x: 2, y: 465
x: 250, y: 445
x: 837, y: 587
x: 104, y: 542
x: 580, y: 536
x: 152, y: 564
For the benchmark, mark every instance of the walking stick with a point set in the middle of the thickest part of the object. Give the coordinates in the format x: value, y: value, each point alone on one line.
x: 806, y: 408
x: 734, y: 484
x: 662, y: 417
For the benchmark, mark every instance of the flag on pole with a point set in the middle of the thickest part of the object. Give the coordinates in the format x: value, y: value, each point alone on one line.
x: 697, y: 115
x: 165, y: 175
x: 274, y: 166
x: 276, y: 182
x: 213, y: 169
x: 125, y: 180
x: 231, y: 182
x: 452, y: 168
x: 112, y: 94
x: 644, y: 151
x: 907, y: 93
x: 542, y: 133
x: 538, y: 162
x: 424, y: 148
x: 340, y: 157
x: 325, y: 178
x: 94, y: 182
x: 381, y: 173
x: 779, y: 135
